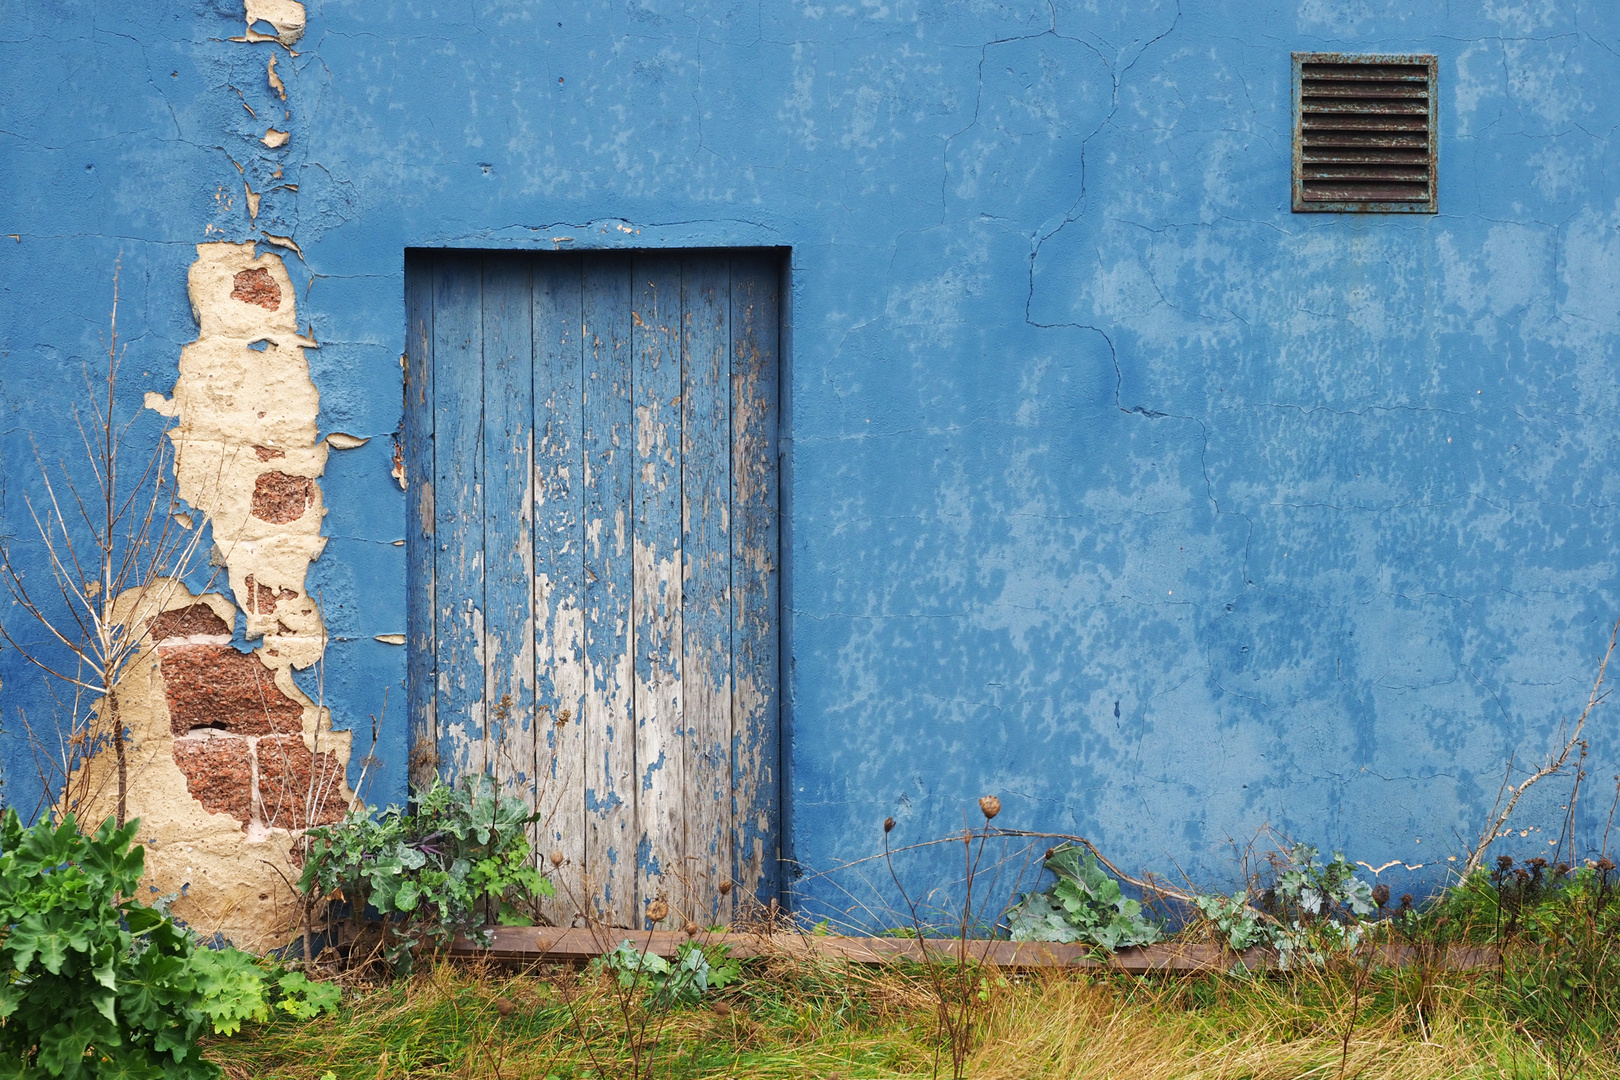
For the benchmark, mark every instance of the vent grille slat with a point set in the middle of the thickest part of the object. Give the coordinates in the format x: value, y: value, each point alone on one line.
x: 1364, y: 133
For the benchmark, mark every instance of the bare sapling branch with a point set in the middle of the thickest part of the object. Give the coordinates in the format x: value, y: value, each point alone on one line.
x: 1507, y: 798
x: 115, y: 556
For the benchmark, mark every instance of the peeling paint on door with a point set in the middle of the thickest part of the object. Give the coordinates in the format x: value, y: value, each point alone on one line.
x: 583, y: 635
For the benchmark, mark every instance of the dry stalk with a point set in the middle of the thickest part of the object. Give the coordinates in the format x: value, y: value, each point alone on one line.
x: 131, y: 565
x: 1555, y: 765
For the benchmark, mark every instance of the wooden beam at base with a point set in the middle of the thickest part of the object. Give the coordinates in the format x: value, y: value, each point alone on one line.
x: 524, y: 944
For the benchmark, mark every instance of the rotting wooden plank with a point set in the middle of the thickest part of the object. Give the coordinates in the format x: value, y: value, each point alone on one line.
x: 508, y: 536
x: 418, y: 450
x: 656, y: 542
x: 706, y: 581
x: 755, y: 330
x: 559, y: 570
x: 530, y: 945
x: 609, y: 451
x: 458, y: 513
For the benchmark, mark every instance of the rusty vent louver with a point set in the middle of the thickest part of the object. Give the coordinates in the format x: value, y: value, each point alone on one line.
x: 1364, y: 133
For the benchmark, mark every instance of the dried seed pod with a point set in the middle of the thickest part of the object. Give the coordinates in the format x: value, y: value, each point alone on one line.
x: 989, y: 806
x: 1380, y: 894
x: 725, y: 888
x: 691, y: 929
x: 556, y: 859
x: 888, y: 824
x: 658, y: 911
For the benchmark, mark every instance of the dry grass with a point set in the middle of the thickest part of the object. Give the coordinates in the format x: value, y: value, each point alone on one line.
x: 798, y: 1019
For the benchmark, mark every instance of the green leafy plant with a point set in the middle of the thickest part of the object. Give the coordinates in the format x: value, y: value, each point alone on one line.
x: 693, y: 973
x: 94, y: 983
x: 1313, y: 908
x: 1319, y: 907
x: 445, y: 869
x: 1234, y: 919
x: 1084, y: 904
x: 1559, y: 931
x: 304, y: 999
x: 1307, y: 888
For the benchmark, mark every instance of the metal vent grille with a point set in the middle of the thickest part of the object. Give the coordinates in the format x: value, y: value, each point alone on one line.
x: 1364, y: 133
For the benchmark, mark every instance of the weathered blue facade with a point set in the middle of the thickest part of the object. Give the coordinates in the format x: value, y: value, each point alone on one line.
x: 1110, y: 485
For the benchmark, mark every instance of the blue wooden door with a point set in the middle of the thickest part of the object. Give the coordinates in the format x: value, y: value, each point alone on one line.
x: 591, y: 457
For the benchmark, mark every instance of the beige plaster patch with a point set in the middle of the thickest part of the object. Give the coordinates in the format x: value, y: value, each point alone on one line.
x: 218, y: 828
x: 247, y: 458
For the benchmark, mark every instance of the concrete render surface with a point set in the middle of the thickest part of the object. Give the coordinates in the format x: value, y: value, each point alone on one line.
x: 1109, y: 484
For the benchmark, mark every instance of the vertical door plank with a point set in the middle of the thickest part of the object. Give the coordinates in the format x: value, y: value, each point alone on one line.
x: 656, y: 540
x: 508, y: 539
x: 418, y: 434
x: 706, y: 585
x: 559, y: 571
x: 609, y: 450
x: 458, y: 382
x: 754, y: 560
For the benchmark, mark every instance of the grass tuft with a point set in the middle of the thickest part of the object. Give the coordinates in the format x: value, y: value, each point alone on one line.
x: 797, y: 1018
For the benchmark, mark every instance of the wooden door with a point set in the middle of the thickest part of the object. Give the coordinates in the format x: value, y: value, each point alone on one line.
x: 591, y: 446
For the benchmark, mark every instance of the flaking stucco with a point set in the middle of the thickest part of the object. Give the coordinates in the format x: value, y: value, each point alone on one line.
x: 225, y: 852
x: 246, y: 457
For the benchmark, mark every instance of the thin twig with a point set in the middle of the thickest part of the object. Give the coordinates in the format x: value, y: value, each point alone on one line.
x: 1554, y: 765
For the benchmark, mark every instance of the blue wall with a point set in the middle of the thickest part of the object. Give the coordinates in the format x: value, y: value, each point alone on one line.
x: 1115, y: 488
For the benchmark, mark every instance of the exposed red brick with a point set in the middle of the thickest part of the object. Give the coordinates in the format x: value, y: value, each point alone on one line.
x: 262, y: 599
x: 216, y: 686
x: 255, y: 286
x: 219, y: 773
x: 187, y: 621
x: 280, y: 498
x: 287, y: 796
x: 267, y: 452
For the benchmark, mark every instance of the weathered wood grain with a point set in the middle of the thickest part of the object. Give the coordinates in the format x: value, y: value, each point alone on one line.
x: 419, y: 519
x: 458, y: 513
x: 706, y: 581
x: 755, y: 555
x: 609, y: 452
x: 508, y: 393
x: 559, y: 575
x: 594, y: 561
x: 656, y: 541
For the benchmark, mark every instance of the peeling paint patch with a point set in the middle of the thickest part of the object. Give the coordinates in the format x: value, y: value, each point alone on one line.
x: 286, y: 18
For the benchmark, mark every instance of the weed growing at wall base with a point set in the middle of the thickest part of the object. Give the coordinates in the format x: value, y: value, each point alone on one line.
x: 454, y: 865
x: 96, y: 984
